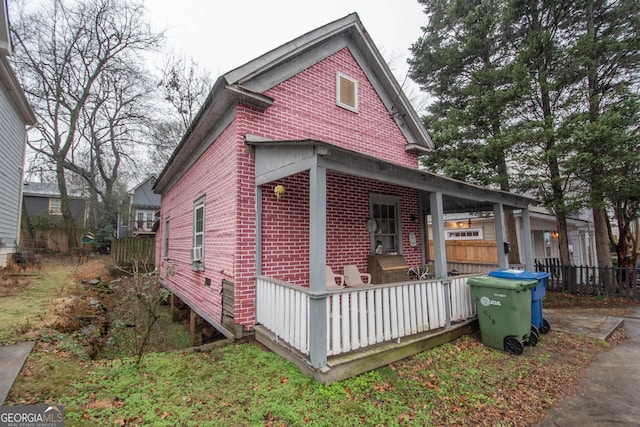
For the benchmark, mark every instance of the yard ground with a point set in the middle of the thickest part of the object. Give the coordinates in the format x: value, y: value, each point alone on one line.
x: 92, y: 372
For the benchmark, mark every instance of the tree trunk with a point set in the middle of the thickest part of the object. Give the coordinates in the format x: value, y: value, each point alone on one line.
x: 601, y: 232
x: 68, y: 224
x: 512, y: 237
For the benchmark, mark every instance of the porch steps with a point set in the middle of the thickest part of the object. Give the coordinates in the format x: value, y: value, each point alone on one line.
x: 359, y: 361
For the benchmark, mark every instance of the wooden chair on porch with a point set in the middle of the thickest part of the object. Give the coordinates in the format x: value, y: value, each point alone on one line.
x: 353, y: 277
x: 332, y: 285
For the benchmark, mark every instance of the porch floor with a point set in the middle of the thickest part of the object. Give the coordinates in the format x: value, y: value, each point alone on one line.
x: 359, y: 361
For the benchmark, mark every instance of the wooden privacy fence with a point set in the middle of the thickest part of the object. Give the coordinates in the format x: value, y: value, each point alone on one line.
x: 470, y: 251
x: 128, y: 250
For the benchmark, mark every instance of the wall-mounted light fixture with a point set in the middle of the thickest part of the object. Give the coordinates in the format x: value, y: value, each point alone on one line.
x: 279, y: 190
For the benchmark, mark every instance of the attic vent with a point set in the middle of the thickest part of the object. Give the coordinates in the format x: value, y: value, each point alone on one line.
x: 346, y: 92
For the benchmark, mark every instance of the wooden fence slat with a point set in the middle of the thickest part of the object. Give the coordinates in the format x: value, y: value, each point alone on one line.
x: 128, y: 250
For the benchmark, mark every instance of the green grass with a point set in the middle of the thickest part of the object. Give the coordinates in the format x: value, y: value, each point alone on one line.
x: 461, y: 383
x: 20, y: 313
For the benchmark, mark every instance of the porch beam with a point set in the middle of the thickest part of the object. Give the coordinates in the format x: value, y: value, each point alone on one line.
x: 317, y: 263
x: 439, y: 248
x: 285, y: 171
x: 382, y: 171
x: 498, y: 213
x: 527, y: 240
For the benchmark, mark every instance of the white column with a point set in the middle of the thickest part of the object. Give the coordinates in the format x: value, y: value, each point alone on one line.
x: 527, y: 241
x: 317, y: 263
x: 498, y: 213
x: 258, y: 230
x: 437, y: 228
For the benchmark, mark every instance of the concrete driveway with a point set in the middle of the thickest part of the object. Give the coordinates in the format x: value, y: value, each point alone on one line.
x: 609, y: 395
x: 12, y: 358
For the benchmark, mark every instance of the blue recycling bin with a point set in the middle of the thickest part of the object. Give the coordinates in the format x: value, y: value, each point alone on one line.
x: 537, y: 293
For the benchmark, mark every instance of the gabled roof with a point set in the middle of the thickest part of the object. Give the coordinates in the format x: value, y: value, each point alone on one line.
x: 247, y: 83
x: 50, y: 189
x: 150, y: 177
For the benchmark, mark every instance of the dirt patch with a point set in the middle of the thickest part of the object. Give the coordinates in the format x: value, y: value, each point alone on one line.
x: 94, y: 268
x: 14, y: 284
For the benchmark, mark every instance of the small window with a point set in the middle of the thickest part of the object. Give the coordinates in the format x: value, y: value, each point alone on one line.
x: 197, y: 251
x: 347, y: 92
x: 465, y: 234
x: 55, y: 207
x: 165, y: 250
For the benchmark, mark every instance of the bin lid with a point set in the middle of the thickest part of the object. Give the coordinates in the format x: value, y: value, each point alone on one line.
x: 519, y: 274
x: 500, y: 283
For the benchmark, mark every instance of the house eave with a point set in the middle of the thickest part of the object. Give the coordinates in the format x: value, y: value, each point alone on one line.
x: 417, y: 149
x: 5, y: 35
x: 222, y: 98
x: 9, y: 81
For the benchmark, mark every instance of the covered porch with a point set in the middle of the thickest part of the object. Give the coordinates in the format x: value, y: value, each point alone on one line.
x: 336, y: 334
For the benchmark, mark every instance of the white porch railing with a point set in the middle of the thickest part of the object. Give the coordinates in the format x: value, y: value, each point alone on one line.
x: 357, y: 318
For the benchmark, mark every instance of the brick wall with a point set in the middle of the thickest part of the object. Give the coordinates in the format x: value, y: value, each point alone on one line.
x: 286, y: 225
x: 212, y: 176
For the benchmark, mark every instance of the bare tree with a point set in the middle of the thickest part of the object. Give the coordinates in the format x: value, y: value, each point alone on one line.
x: 184, y: 85
x: 77, y: 63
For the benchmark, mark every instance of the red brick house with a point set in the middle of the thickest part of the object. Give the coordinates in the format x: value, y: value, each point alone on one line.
x: 303, y: 158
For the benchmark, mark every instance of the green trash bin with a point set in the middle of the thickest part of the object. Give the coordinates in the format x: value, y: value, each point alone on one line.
x: 504, y: 312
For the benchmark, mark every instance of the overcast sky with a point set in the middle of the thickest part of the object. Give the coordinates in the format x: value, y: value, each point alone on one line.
x: 222, y: 35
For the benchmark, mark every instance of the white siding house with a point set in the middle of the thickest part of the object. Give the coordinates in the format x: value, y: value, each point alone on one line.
x: 15, y: 116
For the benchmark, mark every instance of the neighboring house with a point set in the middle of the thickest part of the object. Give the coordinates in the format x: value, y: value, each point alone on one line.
x: 468, y: 235
x: 43, y: 209
x: 141, y: 209
x: 15, y: 116
x: 307, y: 157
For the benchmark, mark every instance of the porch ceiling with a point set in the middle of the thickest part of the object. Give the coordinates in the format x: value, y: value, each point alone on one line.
x: 279, y: 159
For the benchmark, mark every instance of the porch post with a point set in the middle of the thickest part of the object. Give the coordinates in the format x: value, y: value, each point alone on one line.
x: 498, y: 213
x: 317, y: 262
x: 258, y: 230
x: 527, y: 242
x: 437, y: 227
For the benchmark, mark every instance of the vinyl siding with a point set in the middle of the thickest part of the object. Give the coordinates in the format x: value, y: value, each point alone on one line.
x: 12, y: 137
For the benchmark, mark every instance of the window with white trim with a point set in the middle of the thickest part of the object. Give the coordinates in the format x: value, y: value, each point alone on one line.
x: 346, y: 92
x: 197, y: 251
x: 55, y: 207
x: 144, y: 220
x: 464, y: 234
x: 385, y: 210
